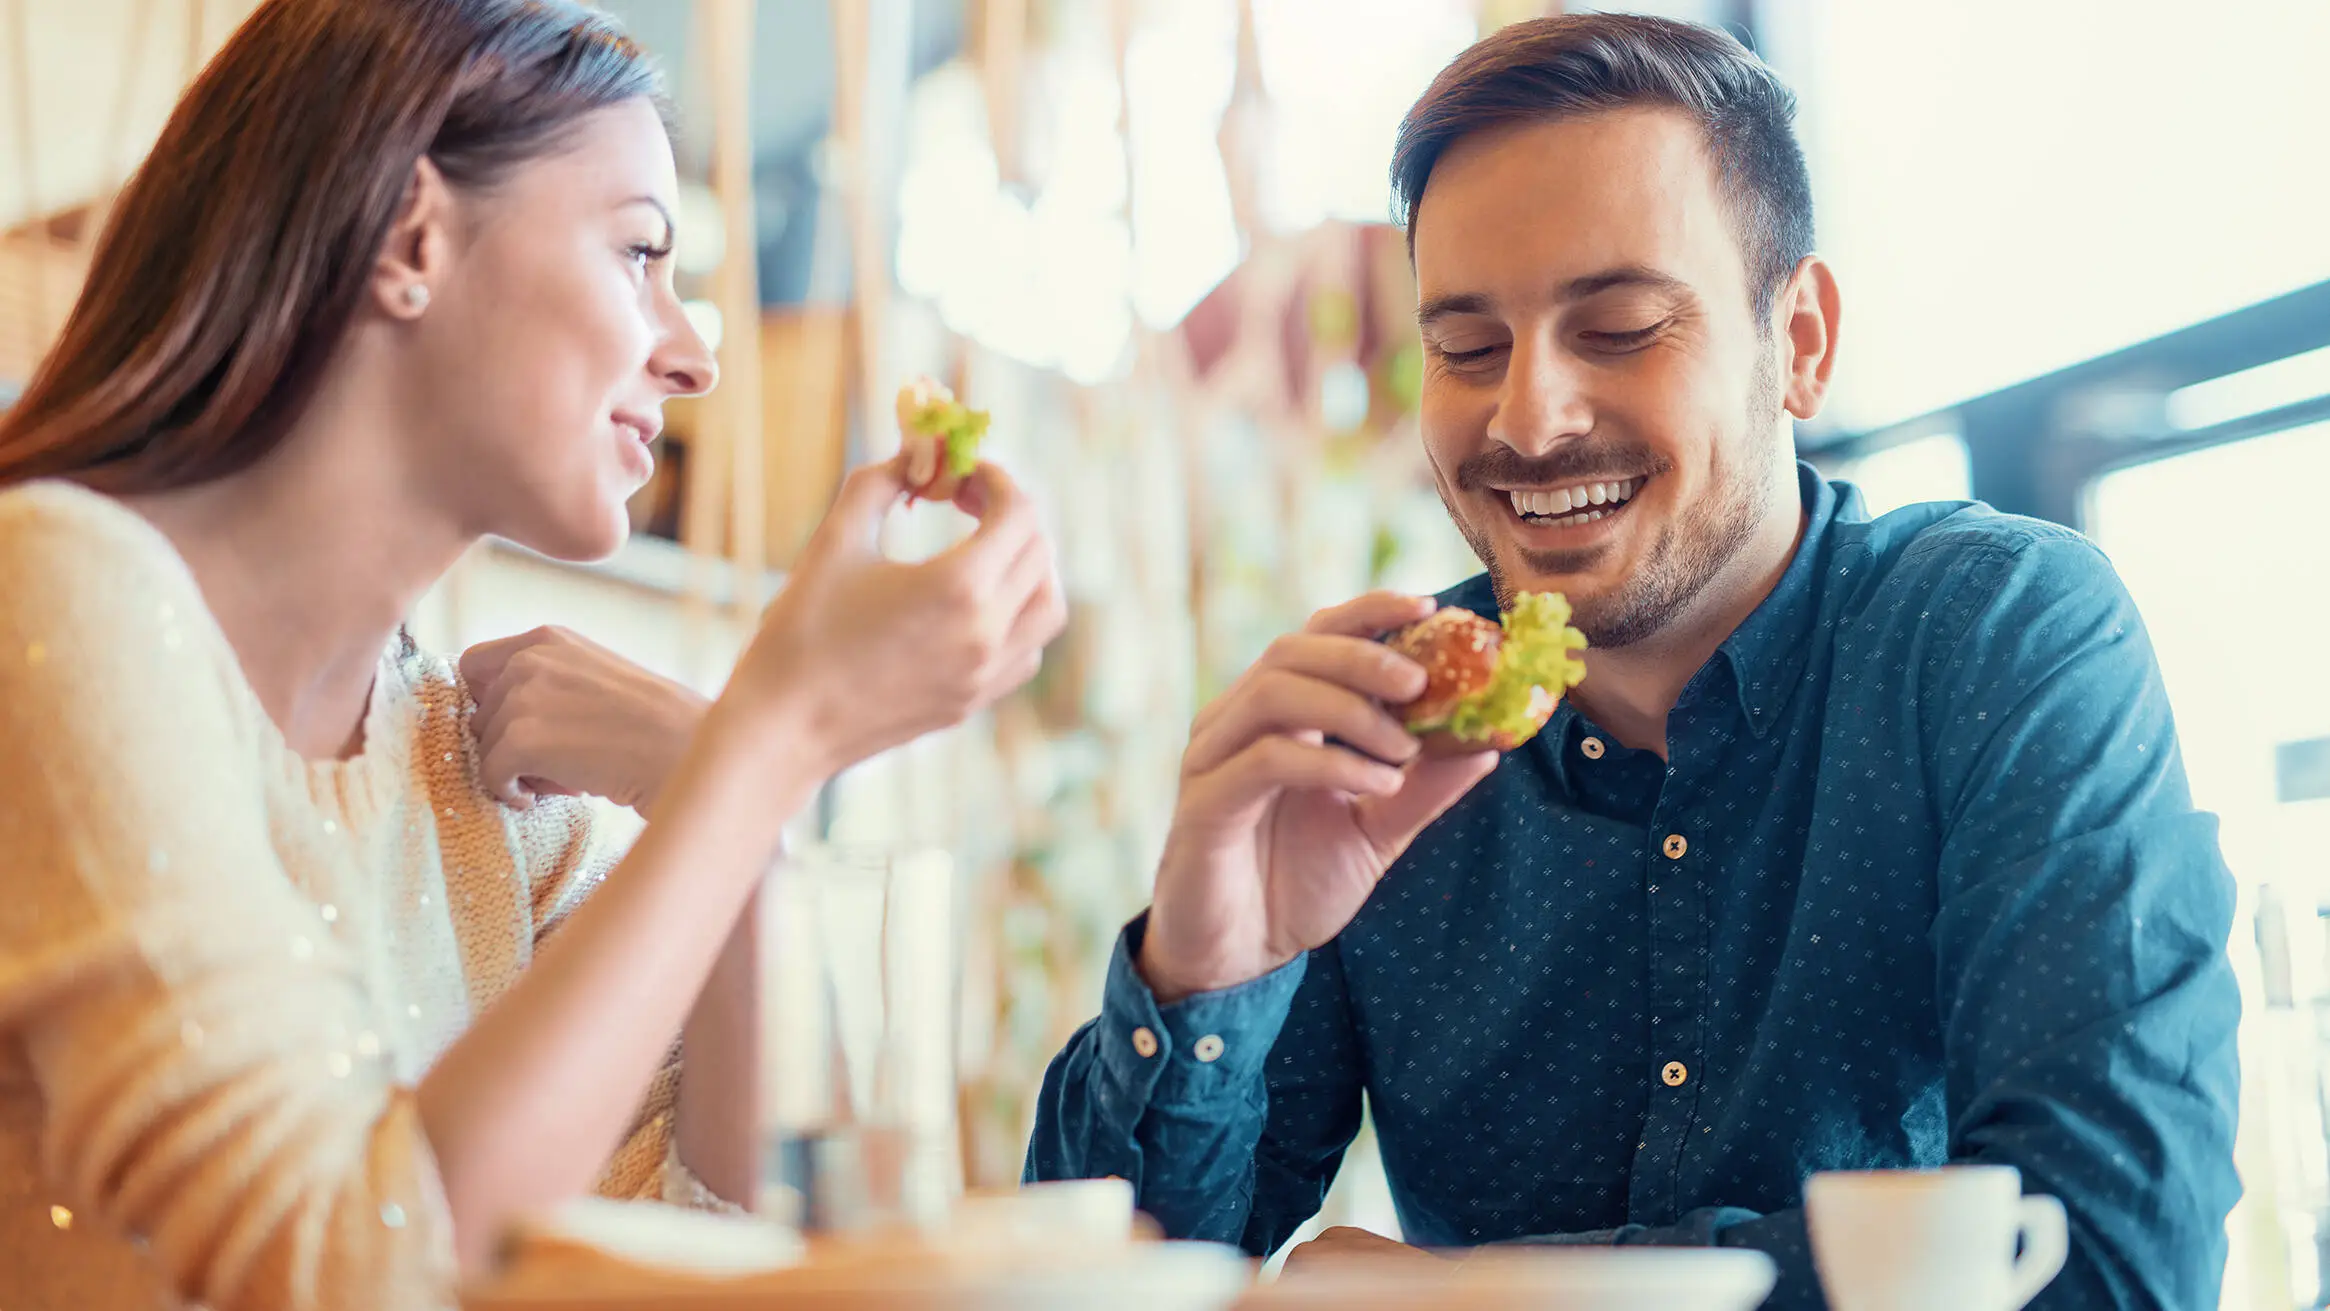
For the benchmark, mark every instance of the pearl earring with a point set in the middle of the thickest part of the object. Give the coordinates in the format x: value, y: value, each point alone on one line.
x: 417, y: 297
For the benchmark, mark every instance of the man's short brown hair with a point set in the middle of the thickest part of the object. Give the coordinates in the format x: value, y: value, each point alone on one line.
x: 1550, y: 68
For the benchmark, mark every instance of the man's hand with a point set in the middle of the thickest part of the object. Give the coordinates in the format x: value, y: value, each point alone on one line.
x: 1279, y: 836
x: 558, y: 713
x: 1344, y: 1246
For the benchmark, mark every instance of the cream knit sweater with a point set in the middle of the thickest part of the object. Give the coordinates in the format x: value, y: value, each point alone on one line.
x: 223, y: 967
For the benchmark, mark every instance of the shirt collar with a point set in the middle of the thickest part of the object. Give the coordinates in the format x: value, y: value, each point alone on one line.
x: 1767, y: 651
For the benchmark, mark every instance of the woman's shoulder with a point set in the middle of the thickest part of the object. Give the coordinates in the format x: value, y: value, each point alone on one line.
x: 64, y: 532
x: 57, y: 502
x: 81, y: 568
x: 109, y: 656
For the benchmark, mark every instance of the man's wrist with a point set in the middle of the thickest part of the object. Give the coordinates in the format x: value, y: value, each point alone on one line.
x: 1169, y: 982
x: 1196, y: 1052
x: 1162, y: 984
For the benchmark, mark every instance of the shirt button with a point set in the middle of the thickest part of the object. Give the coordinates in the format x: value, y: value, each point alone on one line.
x: 1674, y: 1074
x: 1208, y: 1048
x: 1676, y: 846
x: 1144, y: 1042
x: 1592, y: 747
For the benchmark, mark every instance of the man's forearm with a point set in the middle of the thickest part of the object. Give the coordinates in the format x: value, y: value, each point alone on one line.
x: 1190, y: 1166
x: 1170, y: 1098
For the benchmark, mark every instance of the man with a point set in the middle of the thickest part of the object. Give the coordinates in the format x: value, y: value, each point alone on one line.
x: 1863, y: 844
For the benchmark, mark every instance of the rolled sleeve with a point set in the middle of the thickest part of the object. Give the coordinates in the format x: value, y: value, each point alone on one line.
x: 1172, y: 1098
x: 1198, y: 1050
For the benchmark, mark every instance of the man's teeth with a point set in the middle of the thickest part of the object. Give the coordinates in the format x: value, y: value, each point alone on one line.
x: 1575, y: 502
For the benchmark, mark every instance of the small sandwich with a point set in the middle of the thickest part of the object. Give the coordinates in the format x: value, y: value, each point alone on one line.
x: 1489, y: 686
x: 940, y: 437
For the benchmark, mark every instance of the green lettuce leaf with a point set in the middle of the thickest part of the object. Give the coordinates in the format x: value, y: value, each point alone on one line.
x: 1537, y: 653
x: 960, y: 427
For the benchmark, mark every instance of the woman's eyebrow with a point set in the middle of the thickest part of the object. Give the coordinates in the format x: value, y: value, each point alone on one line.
x: 670, y: 228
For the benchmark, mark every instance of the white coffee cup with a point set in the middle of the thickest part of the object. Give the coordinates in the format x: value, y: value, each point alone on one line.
x: 1932, y: 1240
x: 1062, y: 1213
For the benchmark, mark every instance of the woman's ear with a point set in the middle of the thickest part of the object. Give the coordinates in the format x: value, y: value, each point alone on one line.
x: 413, y: 259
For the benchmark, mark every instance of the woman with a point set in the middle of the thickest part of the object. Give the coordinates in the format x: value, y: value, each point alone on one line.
x: 279, y: 1024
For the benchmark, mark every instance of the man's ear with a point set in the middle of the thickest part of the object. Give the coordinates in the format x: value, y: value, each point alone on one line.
x: 412, y: 263
x: 1807, y: 313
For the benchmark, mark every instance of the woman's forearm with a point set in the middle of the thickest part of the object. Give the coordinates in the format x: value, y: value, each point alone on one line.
x: 525, y: 1107
x: 720, y: 1069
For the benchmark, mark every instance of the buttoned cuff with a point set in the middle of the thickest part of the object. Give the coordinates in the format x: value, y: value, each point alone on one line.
x: 1200, y: 1050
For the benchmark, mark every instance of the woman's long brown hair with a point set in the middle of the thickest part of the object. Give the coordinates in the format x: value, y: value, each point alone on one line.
x: 239, y: 251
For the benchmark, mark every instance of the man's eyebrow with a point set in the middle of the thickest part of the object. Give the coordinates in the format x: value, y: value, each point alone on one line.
x: 1437, y: 308
x: 1441, y: 307
x: 1628, y: 275
x: 669, y: 226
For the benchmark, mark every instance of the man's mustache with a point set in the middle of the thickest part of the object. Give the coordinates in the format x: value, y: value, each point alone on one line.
x: 1572, y: 462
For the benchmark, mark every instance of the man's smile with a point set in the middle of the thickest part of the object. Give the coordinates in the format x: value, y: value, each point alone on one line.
x: 1568, y: 516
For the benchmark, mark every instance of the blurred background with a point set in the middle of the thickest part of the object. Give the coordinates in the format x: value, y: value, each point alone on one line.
x: 2085, y: 250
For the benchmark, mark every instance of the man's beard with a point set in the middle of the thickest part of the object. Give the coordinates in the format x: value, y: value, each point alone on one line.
x: 1691, y: 550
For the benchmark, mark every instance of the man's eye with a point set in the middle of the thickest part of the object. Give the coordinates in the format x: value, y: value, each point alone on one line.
x: 1626, y: 341
x: 1460, y: 359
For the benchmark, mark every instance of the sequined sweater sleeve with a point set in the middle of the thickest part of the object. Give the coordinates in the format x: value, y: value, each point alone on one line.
x: 567, y: 849
x: 161, y: 973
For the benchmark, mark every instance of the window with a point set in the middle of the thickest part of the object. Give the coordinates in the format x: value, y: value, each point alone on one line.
x: 2236, y: 597
x: 2006, y: 188
x: 1931, y: 468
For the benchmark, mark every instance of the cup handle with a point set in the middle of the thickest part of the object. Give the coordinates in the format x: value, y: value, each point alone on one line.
x: 2046, y: 1239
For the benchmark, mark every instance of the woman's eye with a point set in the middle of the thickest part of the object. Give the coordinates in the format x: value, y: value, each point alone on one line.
x: 648, y: 253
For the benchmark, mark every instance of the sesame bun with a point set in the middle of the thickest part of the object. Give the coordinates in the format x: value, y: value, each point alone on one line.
x: 1489, y: 685
x: 1458, y: 650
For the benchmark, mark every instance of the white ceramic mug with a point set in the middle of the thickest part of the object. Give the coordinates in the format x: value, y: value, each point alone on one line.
x: 1932, y: 1240
x: 1080, y: 1212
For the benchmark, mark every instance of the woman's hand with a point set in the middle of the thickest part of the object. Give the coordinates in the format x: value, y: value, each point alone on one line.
x: 558, y: 713
x: 865, y: 653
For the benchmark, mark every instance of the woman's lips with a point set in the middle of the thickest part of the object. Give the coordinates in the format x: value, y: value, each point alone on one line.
x: 641, y: 426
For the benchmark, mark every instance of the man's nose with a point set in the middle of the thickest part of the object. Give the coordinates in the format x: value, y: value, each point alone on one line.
x: 1543, y: 401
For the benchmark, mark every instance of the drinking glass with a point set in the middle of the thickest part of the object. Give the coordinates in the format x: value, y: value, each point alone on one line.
x: 859, y: 973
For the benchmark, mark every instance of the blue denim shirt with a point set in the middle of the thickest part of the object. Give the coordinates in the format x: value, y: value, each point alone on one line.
x: 1920, y: 881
